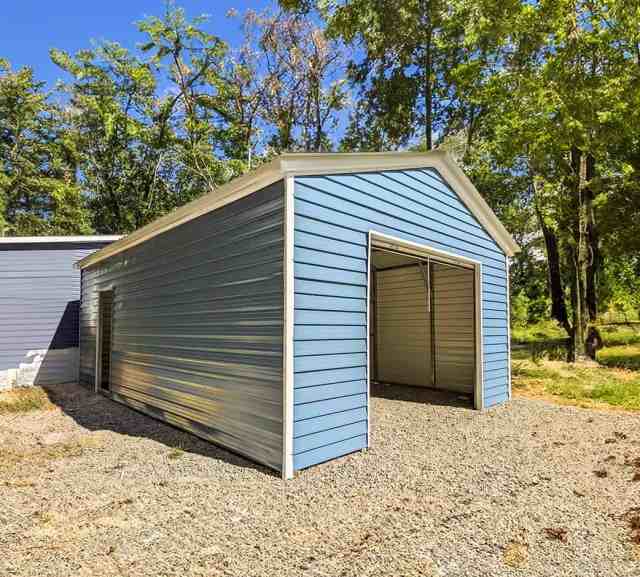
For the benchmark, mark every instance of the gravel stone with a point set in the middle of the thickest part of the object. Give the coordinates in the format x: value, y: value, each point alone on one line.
x: 94, y: 488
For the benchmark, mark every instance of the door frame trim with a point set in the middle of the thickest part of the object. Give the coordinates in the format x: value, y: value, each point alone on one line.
x: 394, y: 244
x: 97, y: 380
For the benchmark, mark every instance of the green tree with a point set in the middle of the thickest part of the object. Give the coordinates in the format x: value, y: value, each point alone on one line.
x: 143, y: 152
x: 39, y: 194
x: 415, y: 66
x: 556, y: 105
x: 193, y: 62
x: 121, y: 141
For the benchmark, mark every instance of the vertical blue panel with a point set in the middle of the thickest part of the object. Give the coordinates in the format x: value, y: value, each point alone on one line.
x: 333, y: 216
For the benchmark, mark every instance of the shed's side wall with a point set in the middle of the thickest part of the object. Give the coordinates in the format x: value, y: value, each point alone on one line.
x: 39, y: 297
x: 333, y: 215
x: 198, y: 324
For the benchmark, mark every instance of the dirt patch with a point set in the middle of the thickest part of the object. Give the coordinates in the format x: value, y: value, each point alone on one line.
x: 557, y: 534
x: 632, y: 517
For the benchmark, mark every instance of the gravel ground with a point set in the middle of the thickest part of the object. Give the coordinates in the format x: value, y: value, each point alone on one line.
x: 92, y: 488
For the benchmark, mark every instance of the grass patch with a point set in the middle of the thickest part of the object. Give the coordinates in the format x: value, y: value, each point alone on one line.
x: 626, y: 356
x: 542, y: 331
x: 615, y: 335
x: 615, y: 381
x: 25, y: 400
x: 13, y: 457
x: 585, y: 386
x: 516, y: 554
x: 175, y: 453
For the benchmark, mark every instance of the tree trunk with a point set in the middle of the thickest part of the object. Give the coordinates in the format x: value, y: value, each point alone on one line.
x: 428, y: 96
x: 554, y: 277
x: 580, y: 255
x: 593, y: 243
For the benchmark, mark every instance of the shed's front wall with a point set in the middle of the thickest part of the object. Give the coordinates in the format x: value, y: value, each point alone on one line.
x: 333, y: 217
x: 39, y: 297
x: 198, y: 325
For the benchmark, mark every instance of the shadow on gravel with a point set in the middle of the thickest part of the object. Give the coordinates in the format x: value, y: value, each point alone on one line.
x: 98, y: 413
x: 421, y: 395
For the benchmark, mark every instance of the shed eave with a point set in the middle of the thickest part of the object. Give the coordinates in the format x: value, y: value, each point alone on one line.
x: 311, y: 163
x: 306, y: 164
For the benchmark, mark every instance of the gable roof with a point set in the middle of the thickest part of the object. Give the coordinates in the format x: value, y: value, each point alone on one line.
x: 299, y: 164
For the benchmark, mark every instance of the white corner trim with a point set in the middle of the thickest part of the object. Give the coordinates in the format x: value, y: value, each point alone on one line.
x: 369, y: 280
x: 508, y: 299
x: 319, y: 164
x: 479, y: 388
x: 99, y: 327
x: 289, y: 311
x: 58, y: 239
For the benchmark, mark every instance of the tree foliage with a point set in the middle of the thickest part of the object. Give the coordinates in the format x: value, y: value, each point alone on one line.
x: 38, y: 189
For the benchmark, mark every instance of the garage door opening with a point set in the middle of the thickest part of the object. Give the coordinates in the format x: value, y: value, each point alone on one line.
x: 422, y: 325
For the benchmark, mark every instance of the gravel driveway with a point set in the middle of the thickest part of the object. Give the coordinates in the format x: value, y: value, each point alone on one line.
x: 92, y: 488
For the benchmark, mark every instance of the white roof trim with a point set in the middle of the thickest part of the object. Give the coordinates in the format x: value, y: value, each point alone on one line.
x: 317, y: 164
x: 53, y: 239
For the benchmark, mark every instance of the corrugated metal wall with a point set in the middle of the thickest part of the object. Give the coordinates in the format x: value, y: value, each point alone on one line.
x: 403, y: 327
x: 454, y: 327
x: 333, y: 215
x: 39, y: 297
x: 198, y: 325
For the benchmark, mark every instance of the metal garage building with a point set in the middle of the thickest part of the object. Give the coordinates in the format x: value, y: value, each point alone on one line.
x: 39, y: 297
x: 257, y: 315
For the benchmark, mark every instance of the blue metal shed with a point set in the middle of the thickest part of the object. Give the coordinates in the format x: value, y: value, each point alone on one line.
x: 39, y: 297
x: 258, y: 315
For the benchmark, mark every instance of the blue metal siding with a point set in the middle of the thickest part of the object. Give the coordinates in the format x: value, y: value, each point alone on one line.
x: 39, y: 299
x: 333, y: 216
x: 198, y: 325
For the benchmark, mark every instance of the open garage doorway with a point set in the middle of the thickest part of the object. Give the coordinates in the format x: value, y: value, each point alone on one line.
x: 423, y: 323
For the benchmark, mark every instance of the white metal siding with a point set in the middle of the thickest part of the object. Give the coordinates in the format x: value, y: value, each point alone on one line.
x: 454, y: 327
x: 403, y: 332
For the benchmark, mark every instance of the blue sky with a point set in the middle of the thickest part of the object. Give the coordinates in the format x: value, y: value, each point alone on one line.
x: 29, y: 28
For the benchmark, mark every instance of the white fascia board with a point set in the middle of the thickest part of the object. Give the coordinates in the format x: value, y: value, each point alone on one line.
x: 58, y: 239
x: 302, y: 164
